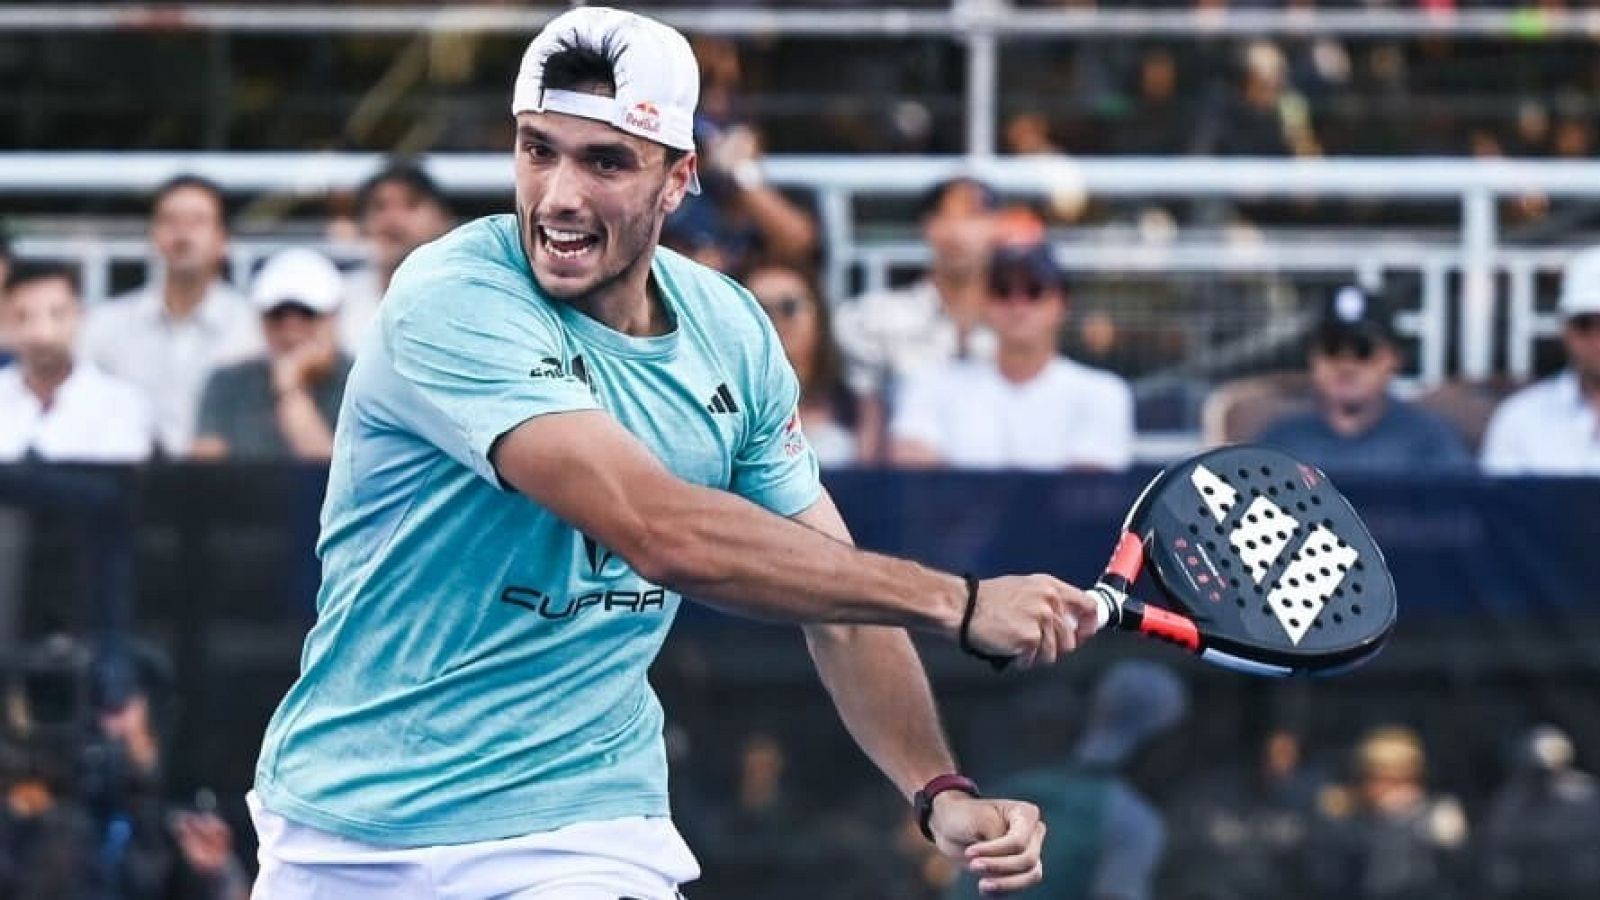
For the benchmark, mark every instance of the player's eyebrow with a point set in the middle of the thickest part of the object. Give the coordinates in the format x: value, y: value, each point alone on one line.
x: 618, y: 150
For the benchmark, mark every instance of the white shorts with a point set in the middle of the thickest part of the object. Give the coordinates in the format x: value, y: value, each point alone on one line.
x: 619, y: 859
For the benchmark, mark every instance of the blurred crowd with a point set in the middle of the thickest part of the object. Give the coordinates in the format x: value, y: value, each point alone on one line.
x: 962, y: 368
x: 981, y: 362
x: 1135, y: 815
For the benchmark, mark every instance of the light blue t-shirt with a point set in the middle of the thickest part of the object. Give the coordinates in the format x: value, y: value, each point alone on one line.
x: 478, y: 667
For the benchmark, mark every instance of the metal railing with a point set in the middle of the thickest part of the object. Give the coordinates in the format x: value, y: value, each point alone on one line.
x: 837, y: 182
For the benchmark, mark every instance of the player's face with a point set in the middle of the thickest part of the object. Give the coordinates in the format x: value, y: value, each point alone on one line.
x: 1353, y: 372
x: 1581, y: 335
x: 188, y: 231
x: 591, y: 200
x: 398, y: 219
x: 40, y: 320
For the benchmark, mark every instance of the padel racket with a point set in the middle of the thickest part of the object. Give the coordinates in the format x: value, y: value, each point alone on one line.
x: 1265, y: 567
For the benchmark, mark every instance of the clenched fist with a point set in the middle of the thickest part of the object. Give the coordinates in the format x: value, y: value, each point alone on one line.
x: 1034, y: 619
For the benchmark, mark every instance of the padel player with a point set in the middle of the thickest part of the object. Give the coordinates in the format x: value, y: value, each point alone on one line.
x: 555, y: 430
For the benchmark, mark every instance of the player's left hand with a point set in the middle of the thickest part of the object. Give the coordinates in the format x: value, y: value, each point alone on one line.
x: 996, y: 840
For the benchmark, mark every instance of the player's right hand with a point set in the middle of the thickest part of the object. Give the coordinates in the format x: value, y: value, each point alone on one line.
x: 1034, y: 619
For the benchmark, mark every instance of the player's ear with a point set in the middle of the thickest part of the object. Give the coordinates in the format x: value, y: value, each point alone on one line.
x: 679, y: 176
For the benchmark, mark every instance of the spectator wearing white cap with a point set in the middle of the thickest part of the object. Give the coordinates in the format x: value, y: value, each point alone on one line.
x: 281, y: 405
x: 169, y: 334
x: 1553, y: 427
x: 54, y: 405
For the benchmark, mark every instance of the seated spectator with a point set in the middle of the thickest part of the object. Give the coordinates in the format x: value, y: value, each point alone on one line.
x: 399, y: 209
x: 1028, y: 408
x: 282, y: 405
x: 827, y: 408
x: 1553, y: 427
x: 1541, y: 824
x: 891, y: 335
x: 166, y: 336
x: 1389, y: 838
x: 55, y: 405
x: 1358, y: 425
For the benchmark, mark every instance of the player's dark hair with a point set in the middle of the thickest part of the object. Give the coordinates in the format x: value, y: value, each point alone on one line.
x: 576, y: 64
x: 5, y: 245
x: 26, y: 271
x: 198, y: 182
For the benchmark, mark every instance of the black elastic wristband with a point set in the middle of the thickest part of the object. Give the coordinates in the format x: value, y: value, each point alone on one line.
x: 998, y: 662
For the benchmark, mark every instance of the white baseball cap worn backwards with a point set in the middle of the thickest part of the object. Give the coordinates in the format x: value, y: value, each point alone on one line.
x: 657, y: 77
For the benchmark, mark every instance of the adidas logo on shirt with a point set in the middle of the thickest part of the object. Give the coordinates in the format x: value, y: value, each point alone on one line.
x: 722, y: 401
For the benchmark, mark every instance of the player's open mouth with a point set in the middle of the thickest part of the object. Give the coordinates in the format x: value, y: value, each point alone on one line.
x: 566, y: 244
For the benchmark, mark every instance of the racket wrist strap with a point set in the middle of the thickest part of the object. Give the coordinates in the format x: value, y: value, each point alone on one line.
x: 965, y: 637
x: 922, y: 800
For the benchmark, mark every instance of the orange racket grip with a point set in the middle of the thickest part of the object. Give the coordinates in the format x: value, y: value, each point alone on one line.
x: 1126, y: 562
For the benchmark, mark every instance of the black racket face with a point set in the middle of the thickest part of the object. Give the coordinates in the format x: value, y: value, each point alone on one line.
x: 1268, y: 558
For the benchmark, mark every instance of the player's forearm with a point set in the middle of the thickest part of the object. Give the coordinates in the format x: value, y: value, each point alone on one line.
x: 877, y: 683
x: 726, y: 551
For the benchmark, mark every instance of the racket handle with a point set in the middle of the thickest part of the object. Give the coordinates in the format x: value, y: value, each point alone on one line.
x: 1108, y: 604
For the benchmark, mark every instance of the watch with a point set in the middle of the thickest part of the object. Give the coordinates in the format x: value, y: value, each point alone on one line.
x: 922, y: 801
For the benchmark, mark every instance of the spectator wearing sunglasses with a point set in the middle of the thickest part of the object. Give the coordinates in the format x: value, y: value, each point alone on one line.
x: 282, y: 405
x: 1028, y: 407
x: 1357, y: 423
x: 827, y: 407
x: 1553, y: 427
x: 890, y: 336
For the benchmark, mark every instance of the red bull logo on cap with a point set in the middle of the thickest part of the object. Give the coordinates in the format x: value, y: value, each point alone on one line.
x: 644, y: 116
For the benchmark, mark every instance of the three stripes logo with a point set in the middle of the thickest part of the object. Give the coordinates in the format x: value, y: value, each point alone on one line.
x: 722, y: 401
x: 1259, y: 539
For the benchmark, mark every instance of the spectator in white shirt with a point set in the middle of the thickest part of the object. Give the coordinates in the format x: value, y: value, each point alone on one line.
x: 889, y: 336
x: 1553, y: 427
x: 1029, y: 407
x: 54, y: 406
x: 399, y: 209
x: 166, y: 336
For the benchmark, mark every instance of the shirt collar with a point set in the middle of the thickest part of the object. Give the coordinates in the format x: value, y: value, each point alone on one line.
x: 1567, y: 390
x: 211, y: 313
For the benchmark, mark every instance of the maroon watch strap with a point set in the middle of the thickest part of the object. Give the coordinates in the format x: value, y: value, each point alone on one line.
x: 922, y: 801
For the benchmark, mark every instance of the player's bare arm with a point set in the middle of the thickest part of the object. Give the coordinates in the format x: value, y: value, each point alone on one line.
x: 726, y: 551
x: 877, y: 684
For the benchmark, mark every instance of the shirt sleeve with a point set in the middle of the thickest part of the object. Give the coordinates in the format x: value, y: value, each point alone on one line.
x: 1502, y: 453
x: 213, y: 413
x: 1131, y: 848
x: 916, y: 410
x: 474, y: 359
x: 860, y: 346
x: 1109, y: 427
x: 775, y: 466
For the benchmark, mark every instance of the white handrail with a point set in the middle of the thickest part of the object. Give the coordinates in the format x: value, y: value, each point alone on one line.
x: 490, y: 173
x: 837, y: 181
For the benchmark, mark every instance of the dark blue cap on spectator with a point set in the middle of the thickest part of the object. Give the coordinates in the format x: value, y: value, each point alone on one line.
x: 1134, y: 702
x: 1032, y: 262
